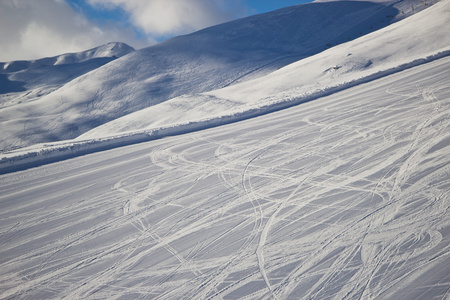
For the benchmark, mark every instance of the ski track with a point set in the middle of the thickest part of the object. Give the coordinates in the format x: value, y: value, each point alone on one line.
x: 345, y: 197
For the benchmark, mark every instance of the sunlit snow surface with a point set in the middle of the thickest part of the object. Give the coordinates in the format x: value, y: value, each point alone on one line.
x: 344, y: 197
x: 417, y: 39
x: 39, y: 106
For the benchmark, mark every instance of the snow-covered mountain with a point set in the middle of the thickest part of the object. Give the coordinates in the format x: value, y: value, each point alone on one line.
x: 321, y: 173
x: 401, y: 45
x: 213, y: 58
x: 58, y: 70
x: 25, y: 83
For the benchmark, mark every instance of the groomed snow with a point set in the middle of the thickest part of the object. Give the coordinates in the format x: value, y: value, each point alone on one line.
x: 343, y: 197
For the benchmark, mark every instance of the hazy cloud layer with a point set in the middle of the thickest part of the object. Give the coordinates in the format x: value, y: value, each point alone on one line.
x: 34, y: 29
x: 168, y: 17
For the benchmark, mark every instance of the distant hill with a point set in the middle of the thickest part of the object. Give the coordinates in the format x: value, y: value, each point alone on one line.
x: 57, y: 70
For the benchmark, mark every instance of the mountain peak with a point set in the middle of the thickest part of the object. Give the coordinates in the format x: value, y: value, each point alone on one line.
x: 109, y: 50
x: 115, y: 49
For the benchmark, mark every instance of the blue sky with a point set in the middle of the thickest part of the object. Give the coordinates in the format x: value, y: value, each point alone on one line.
x: 37, y: 29
x: 262, y: 6
x: 117, y: 12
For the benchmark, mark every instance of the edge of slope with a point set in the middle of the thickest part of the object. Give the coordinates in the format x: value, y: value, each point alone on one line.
x: 41, y: 154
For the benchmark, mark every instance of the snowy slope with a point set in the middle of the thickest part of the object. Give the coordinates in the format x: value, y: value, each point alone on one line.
x: 414, y: 40
x: 57, y: 70
x: 343, y: 197
x: 203, y: 61
x: 23, y: 83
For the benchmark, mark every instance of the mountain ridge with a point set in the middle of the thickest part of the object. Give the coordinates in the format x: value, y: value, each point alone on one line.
x: 111, y: 50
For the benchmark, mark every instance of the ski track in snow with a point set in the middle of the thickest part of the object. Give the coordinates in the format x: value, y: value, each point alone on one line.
x: 344, y: 197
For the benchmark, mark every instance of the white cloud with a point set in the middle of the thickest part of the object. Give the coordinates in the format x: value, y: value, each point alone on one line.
x: 169, y: 17
x: 34, y: 29
x: 31, y: 29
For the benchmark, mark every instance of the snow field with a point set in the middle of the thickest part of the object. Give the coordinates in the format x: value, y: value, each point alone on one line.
x: 334, y: 184
x: 344, y: 197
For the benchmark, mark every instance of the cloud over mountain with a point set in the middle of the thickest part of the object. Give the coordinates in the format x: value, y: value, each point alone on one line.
x: 167, y: 17
x: 36, y: 29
